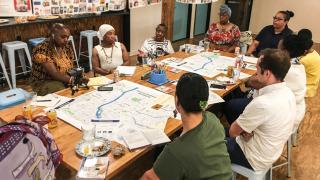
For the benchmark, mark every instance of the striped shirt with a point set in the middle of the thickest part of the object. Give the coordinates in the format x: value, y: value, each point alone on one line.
x: 153, y: 47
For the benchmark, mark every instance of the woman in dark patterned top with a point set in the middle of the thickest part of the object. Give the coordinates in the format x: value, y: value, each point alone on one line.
x: 51, y: 60
x: 224, y: 35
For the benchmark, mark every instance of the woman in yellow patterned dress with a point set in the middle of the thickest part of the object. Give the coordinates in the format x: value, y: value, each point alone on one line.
x: 51, y: 60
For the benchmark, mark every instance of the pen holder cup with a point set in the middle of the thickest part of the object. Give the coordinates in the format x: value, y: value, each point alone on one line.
x: 158, y: 78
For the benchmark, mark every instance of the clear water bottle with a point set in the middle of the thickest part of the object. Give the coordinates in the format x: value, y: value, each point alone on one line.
x: 116, y: 76
x: 237, y: 51
x: 237, y: 63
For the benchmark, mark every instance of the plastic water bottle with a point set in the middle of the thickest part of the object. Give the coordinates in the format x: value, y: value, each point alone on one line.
x: 237, y: 62
x: 237, y: 51
x: 116, y: 76
x: 236, y: 75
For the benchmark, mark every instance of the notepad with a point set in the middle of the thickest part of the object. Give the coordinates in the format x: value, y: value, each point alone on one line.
x: 98, y: 81
x: 126, y: 70
x: 137, y: 139
x: 93, y: 168
x: 46, y: 101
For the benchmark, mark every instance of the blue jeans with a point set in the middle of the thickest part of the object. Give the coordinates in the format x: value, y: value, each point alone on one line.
x: 234, y: 107
x: 236, y: 154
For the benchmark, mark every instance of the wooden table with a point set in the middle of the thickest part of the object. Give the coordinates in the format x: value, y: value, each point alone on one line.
x: 67, y: 136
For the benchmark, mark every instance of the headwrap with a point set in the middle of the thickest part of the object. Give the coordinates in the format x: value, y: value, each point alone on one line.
x: 225, y: 9
x: 103, y: 29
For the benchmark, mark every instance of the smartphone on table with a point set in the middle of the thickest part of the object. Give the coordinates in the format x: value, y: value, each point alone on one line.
x: 105, y: 88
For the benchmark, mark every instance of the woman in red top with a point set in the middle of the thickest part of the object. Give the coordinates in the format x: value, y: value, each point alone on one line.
x: 224, y: 35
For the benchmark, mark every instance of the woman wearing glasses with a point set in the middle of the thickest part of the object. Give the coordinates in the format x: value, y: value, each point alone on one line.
x: 110, y: 54
x: 224, y: 35
x: 270, y: 36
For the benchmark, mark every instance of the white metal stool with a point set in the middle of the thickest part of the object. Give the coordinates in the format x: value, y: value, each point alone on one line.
x: 294, y: 137
x: 287, y: 162
x: 4, y: 72
x: 249, y: 173
x: 74, y: 49
x: 89, y: 34
x: 11, y: 47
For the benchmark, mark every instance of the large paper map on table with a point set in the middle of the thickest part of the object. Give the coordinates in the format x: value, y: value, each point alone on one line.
x: 129, y: 106
x: 206, y: 64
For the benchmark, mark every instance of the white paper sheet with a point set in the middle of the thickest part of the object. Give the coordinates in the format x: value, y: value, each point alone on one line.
x: 156, y: 136
x: 126, y: 70
x: 250, y: 59
x: 214, y: 98
x: 244, y: 75
x: 48, y: 100
x: 98, y: 81
x: 135, y: 140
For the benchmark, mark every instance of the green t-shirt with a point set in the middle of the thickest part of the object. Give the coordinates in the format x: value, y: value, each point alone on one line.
x: 201, y: 153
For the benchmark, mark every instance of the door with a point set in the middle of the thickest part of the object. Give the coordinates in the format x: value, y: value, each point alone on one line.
x: 241, y: 13
x: 201, y: 19
x: 180, y: 21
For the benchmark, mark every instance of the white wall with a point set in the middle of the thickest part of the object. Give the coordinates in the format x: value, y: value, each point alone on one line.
x: 143, y: 22
x: 307, y: 14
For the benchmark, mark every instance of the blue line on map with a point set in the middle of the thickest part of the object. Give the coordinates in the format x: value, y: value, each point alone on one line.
x: 99, y: 110
x: 210, y: 61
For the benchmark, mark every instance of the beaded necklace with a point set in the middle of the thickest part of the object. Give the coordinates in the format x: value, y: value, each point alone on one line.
x: 108, y: 57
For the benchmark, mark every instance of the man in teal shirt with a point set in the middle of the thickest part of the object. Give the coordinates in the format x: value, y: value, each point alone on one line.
x: 200, y: 152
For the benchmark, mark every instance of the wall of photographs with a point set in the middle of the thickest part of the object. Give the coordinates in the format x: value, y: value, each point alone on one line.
x: 196, y: 1
x: 58, y: 7
x: 142, y: 3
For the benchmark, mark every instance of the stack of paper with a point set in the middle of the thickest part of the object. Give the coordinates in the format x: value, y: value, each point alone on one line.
x: 214, y: 98
x: 126, y: 70
x: 61, y: 100
x: 46, y: 101
x: 250, y: 59
x: 93, y: 168
x: 98, y: 81
x: 137, y: 139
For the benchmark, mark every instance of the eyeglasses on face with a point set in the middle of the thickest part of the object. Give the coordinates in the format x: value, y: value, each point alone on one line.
x: 222, y: 14
x: 277, y: 18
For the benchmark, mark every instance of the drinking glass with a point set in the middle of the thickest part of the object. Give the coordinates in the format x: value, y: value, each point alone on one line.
x: 88, y: 131
x: 31, y: 97
x: 187, y: 48
x: 206, y: 46
x: 144, y: 61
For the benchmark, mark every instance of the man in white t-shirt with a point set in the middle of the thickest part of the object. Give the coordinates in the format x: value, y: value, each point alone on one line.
x: 260, y: 132
x: 157, y: 45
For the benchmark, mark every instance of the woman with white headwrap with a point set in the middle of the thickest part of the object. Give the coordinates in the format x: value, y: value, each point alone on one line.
x: 109, y: 54
x: 224, y: 35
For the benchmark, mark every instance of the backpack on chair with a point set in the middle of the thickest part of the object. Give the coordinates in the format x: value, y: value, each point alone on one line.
x: 27, y: 151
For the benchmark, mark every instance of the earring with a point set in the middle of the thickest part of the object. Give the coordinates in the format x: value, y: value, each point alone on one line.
x: 175, y: 113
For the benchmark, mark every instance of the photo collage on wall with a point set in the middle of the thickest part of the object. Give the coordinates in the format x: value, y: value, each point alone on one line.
x: 57, y: 7
x: 15, y: 8
x: 195, y: 1
x: 117, y: 5
x: 142, y: 3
